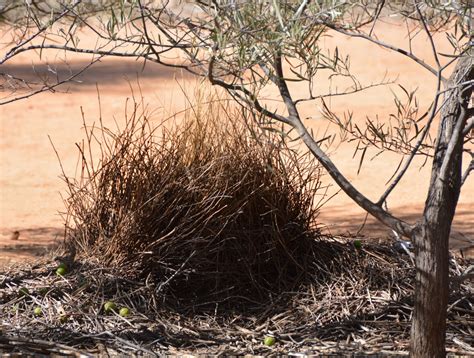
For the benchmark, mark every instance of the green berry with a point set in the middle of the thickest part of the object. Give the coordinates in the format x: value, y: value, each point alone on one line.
x: 62, y: 265
x: 357, y: 244
x: 61, y: 271
x: 269, y: 341
x: 37, y: 311
x: 124, y: 312
x: 109, y: 306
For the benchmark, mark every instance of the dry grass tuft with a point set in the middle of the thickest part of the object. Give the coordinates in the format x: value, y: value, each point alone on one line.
x: 213, y: 210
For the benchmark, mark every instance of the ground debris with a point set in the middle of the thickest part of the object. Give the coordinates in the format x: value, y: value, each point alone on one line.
x: 361, y: 308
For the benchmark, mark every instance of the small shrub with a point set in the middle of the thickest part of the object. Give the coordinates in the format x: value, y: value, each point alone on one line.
x: 214, y: 209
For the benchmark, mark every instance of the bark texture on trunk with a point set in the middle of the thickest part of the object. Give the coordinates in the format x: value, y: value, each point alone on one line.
x: 431, y: 237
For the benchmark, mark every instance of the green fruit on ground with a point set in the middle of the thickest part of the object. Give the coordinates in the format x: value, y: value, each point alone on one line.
x: 63, y: 265
x: 23, y: 291
x: 269, y: 341
x: 37, y: 311
x: 124, y: 312
x: 109, y: 306
x: 357, y: 244
x: 61, y: 271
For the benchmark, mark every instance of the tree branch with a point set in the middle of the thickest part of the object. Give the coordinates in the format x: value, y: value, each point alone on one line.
x: 415, y: 149
x: 13, y: 51
x: 428, y: 33
x: 249, y: 95
x: 469, y: 123
x: 387, y: 46
x: 111, y: 53
x: 51, y: 87
x: 346, y: 92
x: 376, y: 210
x: 468, y: 170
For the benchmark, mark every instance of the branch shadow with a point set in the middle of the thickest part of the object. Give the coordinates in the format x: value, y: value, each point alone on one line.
x: 337, y: 221
x: 107, y: 72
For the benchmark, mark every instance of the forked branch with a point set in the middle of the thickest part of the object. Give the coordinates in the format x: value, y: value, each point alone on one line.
x: 295, y: 121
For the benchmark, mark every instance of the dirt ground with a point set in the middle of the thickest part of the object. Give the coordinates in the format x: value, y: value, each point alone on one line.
x: 30, y: 183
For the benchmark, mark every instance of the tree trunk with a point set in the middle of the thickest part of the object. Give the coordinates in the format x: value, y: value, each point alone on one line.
x: 431, y: 237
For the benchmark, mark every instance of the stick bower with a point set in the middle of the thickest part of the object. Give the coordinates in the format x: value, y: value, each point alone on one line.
x: 212, y: 210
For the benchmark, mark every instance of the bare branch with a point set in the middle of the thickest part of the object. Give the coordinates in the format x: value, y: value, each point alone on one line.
x: 469, y: 123
x: 378, y: 12
x: 14, y: 50
x: 428, y: 33
x: 46, y: 87
x: 346, y: 92
x: 468, y: 170
x: 387, y: 46
x: 111, y: 53
x: 250, y: 97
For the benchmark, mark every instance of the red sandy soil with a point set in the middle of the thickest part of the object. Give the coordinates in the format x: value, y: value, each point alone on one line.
x: 30, y: 184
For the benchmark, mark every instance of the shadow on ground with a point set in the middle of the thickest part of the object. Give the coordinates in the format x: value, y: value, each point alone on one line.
x: 338, y: 222
x: 106, y: 72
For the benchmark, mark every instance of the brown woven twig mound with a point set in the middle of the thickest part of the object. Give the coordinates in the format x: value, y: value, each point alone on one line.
x: 213, y: 210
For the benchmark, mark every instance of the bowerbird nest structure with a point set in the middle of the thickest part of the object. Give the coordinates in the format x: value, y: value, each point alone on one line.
x: 206, y: 233
x: 214, y: 210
